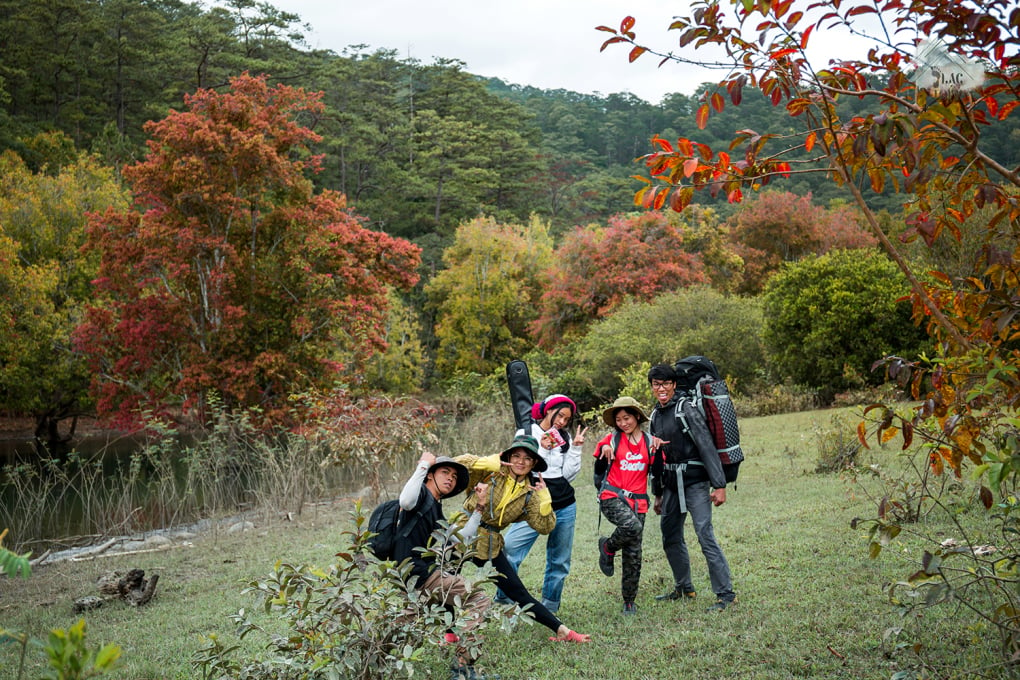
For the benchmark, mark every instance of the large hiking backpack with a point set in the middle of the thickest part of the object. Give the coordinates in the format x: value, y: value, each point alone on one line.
x: 698, y: 381
x: 385, y: 523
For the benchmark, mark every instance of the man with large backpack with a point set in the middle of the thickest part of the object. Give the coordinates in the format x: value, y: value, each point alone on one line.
x: 421, y: 508
x: 687, y: 478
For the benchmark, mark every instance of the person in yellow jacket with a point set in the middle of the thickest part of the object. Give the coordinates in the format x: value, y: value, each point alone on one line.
x: 507, y: 488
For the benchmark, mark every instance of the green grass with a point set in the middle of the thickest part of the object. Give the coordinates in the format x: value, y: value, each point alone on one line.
x: 811, y: 603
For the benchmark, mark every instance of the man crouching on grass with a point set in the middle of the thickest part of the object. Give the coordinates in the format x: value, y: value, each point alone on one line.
x: 433, y: 480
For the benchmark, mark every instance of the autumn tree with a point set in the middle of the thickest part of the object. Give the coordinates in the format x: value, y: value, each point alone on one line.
x: 934, y: 90
x: 597, y: 267
x: 47, y: 283
x: 230, y: 274
x: 777, y: 227
x: 488, y: 294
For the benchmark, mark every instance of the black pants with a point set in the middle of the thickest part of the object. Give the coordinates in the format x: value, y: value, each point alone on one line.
x: 510, y: 583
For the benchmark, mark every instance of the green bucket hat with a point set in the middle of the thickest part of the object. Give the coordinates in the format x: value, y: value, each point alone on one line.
x: 529, y: 444
x: 609, y: 415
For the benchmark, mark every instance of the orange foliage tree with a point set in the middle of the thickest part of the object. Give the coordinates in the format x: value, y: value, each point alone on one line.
x: 778, y: 227
x: 933, y: 91
x: 230, y: 275
x: 596, y: 268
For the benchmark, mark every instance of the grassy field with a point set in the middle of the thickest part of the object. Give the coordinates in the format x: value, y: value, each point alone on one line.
x: 810, y: 602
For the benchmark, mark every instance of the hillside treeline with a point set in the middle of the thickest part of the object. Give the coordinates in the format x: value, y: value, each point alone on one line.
x: 503, y: 214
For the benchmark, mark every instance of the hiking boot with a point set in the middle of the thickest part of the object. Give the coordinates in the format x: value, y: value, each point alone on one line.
x: 629, y: 608
x: 605, y: 558
x: 469, y: 672
x: 720, y: 605
x: 677, y: 594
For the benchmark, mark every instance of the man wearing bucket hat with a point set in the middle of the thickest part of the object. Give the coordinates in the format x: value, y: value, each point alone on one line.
x: 505, y: 491
x: 623, y: 461
x: 433, y: 480
x: 561, y: 451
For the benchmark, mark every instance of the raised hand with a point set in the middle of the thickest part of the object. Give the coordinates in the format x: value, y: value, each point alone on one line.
x: 540, y: 484
x: 578, y: 438
x: 481, y: 493
x: 606, y: 452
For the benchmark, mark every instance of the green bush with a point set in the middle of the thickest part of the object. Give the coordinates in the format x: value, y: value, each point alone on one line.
x: 829, y: 318
x: 359, y: 618
x: 693, y: 321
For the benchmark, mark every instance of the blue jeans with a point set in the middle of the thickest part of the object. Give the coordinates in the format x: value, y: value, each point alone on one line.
x: 699, y: 507
x: 517, y: 542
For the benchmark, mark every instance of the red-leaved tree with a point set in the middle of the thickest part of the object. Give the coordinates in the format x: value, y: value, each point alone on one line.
x: 933, y: 95
x: 777, y: 227
x: 230, y: 275
x: 596, y: 268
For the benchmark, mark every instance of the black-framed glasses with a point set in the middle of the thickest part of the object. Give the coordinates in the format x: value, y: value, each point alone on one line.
x: 659, y: 384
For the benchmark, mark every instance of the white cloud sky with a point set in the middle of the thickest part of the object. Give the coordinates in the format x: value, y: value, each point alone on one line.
x: 548, y: 44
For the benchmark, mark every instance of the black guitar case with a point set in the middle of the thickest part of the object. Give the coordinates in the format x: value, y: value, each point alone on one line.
x: 518, y: 380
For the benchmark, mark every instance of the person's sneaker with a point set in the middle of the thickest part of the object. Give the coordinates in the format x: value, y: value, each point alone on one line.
x: 467, y: 672
x: 605, y: 558
x: 629, y: 608
x: 677, y: 594
x: 720, y: 605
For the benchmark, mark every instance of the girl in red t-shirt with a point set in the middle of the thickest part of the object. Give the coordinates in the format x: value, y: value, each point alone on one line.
x: 623, y: 497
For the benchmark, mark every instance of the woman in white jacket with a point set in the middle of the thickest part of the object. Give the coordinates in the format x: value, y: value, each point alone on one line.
x: 562, y: 454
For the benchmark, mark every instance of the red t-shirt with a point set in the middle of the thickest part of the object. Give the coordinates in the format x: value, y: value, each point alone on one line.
x: 629, y: 470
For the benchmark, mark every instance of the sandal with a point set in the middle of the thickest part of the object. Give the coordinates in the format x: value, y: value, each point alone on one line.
x: 572, y: 636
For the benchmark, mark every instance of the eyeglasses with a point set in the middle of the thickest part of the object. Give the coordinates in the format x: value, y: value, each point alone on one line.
x: 521, y: 456
x: 661, y: 384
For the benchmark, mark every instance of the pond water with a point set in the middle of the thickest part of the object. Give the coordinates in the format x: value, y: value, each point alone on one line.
x: 111, y: 485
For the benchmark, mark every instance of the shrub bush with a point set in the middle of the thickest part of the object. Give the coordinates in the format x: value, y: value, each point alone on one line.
x: 829, y: 318
x: 359, y: 618
x: 694, y: 321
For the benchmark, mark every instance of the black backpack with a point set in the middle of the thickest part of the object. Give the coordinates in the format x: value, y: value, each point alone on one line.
x: 699, y: 381
x: 385, y: 523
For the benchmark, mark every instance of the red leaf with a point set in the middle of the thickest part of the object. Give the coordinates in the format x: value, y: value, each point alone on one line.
x: 690, y: 166
x: 1007, y: 109
x: 662, y: 144
x: 809, y: 141
x: 779, y: 54
x: 610, y: 42
x: 701, y: 117
x: 626, y: 24
x: 804, y: 37
x: 717, y: 102
x: 636, y: 52
x: 660, y: 198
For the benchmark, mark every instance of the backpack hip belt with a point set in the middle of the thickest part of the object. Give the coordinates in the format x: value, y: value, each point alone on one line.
x: 673, y: 467
x: 624, y: 493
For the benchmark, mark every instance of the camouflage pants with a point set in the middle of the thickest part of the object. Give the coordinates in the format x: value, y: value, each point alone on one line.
x: 626, y: 539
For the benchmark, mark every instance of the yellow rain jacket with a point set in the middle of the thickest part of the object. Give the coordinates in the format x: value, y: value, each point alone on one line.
x: 508, y: 503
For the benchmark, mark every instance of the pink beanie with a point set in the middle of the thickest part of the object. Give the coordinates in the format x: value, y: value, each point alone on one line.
x: 539, y: 410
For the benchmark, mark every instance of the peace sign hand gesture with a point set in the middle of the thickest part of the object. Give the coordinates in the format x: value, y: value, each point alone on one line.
x: 579, y: 435
x: 540, y: 484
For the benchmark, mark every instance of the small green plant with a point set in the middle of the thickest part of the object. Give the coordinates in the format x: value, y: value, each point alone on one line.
x: 838, y: 445
x: 359, y: 618
x: 70, y: 657
x: 11, y: 563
